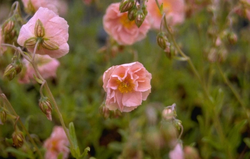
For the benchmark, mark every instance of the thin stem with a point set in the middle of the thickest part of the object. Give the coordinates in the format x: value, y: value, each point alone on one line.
x: 236, y: 94
x: 22, y: 125
x: 58, y: 112
x: 17, y: 49
x: 34, y: 52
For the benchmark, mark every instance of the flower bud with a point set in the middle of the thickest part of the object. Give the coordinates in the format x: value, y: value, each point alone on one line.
x: 39, y: 29
x: 140, y: 16
x: 145, y: 11
x: 18, y: 66
x: 162, y: 41
x: 126, y: 5
x: 10, y: 72
x: 168, y: 114
x: 50, y: 45
x: 190, y: 153
x: 17, y: 138
x: 232, y: 38
x: 3, y: 117
x: 132, y: 14
x: 8, y: 26
x: 45, y: 106
x: 31, y: 42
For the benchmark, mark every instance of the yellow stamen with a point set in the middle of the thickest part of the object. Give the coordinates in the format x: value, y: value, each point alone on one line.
x: 125, y: 86
x: 126, y: 22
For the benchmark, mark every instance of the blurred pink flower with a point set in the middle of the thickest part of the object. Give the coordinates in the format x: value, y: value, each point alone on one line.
x: 176, y: 153
x: 126, y: 86
x: 174, y: 10
x: 55, y: 33
x: 32, y: 6
x: 87, y: 2
x: 118, y: 26
x: 47, y: 67
x: 56, y: 144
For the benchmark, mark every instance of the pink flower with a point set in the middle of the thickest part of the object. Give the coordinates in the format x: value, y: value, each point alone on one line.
x: 32, y: 6
x: 176, y: 153
x: 118, y: 26
x: 126, y: 86
x: 47, y: 67
x: 51, y: 30
x: 174, y: 10
x: 56, y: 144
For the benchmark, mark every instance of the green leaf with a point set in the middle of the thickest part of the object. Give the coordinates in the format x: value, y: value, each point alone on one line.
x: 75, y: 149
x: 212, y: 142
x: 17, y: 152
x: 247, y: 141
x: 234, y: 134
x: 117, y: 146
x: 161, y: 8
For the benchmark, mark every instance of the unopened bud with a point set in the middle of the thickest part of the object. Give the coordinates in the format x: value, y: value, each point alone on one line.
x: 17, y: 138
x: 126, y: 5
x: 18, y: 66
x: 191, y: 153
x: 31, y: 42
x: 50, y: 45
x: 3, y: 117
x: 144, y: 9
x: 140, y: 16
x: 45, y: 106
x: 168, y: 114
x: 10, y: 72
x: 8, y: 26
x: 39, y: 29
x: 162, y: 41
x: 132, y: 14
x: 232, y: 38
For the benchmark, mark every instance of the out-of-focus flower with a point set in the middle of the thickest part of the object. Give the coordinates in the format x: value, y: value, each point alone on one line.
x: 87, y: 2
x: 2, y: 48
x: 31, y: 6
x: 17, y: 138
x: 176, y: 153
x: 48, y: 28
x: 126, y: 86
x: 124, y: 31
x: 47, y: 67
x: 191, y: 153
x: 56, y: 144
x: 174, y: 10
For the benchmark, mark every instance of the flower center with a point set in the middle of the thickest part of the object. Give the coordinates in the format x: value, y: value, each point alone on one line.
x: 126, y: 22
x: 125, y: 86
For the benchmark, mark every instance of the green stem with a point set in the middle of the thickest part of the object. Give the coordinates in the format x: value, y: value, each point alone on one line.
x: 22, y: 125
x: 236, y: 94
x: 216, y: 118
